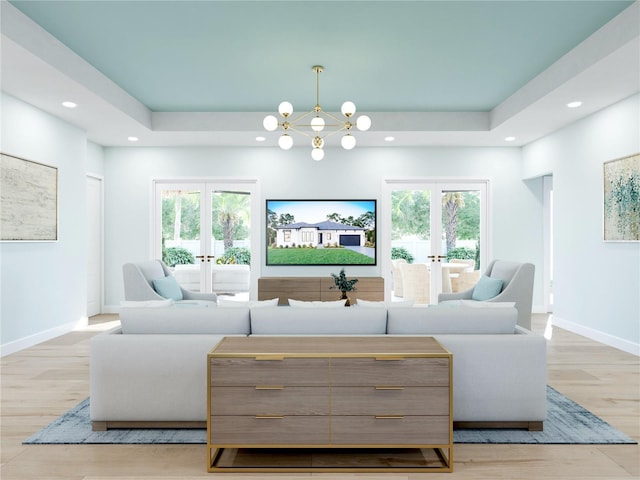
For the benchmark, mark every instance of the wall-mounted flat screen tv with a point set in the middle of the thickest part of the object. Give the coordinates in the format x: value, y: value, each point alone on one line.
x: 321, y: 232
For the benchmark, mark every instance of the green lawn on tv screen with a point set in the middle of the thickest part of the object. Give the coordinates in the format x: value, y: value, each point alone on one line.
x: 313, y: 256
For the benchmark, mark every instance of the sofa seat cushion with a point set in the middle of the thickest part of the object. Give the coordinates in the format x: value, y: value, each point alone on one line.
x: 460, y: 320
x: 186, y: 320
x: 318, y: 321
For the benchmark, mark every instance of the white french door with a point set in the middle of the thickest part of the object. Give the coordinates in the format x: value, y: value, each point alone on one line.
x: 435, y: 223
x: 198, y: 223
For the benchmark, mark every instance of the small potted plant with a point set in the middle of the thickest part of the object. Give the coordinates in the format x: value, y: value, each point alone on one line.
x: 341, y: 283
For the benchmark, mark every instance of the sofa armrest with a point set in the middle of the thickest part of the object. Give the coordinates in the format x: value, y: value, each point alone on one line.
x: 466, y: 295
x: 498, y: 377
x: 189, y: 295
x: 149, y: 377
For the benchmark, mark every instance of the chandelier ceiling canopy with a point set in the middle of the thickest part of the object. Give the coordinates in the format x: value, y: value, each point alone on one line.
x: 319, y: 126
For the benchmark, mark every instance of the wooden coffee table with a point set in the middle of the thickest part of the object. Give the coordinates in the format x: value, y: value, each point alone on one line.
x: 301, y: 404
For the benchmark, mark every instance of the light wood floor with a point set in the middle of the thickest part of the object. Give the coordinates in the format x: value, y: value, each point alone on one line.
x: 42, y: 382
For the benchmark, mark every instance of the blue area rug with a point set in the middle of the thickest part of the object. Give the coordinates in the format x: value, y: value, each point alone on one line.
x: 567, y: 423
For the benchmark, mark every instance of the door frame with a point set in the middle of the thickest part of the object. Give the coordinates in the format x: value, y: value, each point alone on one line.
x: 547, y: 213
x: 252, y: 185
x: 92, y: 177
x: 448, y: 183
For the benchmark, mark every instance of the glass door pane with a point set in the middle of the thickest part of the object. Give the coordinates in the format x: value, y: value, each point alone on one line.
x: 460, y: 239
x: 231, y: 241
x: 411, y: 244
x: 181, y: 239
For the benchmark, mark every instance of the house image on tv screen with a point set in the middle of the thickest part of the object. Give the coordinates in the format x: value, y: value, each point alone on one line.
x: 320, y: 234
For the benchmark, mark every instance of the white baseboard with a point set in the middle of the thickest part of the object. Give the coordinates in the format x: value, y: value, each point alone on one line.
x: 539, y: 309
x: 111, y: 309
x: 610, y: 340
x: 31, y: 340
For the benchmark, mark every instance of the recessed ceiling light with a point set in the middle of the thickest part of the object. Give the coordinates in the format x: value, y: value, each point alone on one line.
x: 574, y: 104
x: 133, y: 139
x: 509, y: 139
x: 389, y: 139
x: 260, y: 139
x: 69, y: 104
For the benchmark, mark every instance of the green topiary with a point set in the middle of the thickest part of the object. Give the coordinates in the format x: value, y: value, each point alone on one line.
x: 401, y: 252
x: 238, y: 255
x: 461, y: 253
x: 173, y: 256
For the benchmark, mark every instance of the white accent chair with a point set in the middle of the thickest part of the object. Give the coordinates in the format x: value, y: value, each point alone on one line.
x: 138, y: 282
x: 465, y: 280
x: 396, y: 274
x: 416, y: 282
x: 517, y: 287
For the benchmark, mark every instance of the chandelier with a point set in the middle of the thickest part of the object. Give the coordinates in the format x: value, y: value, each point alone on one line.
x: 319, y: 121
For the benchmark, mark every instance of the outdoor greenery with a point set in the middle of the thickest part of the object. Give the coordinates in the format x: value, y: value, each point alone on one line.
x: 181, y: 216
x: 177, y: 256
x: 401, y: 252
x: 235, y: 255
x: 461, y: 253
x: 316, y: 256
x: 410, y: 210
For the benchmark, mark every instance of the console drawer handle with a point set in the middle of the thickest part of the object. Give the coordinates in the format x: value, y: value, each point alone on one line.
x: 389, y: 388
x: 267, y: 358
x: 269, y: 387
x: 389, y: 359
x: 389, y: 417
x: 269, y: 417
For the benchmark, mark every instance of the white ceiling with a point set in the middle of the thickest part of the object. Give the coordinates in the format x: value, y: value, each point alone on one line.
x: 426, y: 72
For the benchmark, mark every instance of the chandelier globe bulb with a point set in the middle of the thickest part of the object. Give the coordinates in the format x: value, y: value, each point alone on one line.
x: 348, y: 109
x: 285, y: 109
x: 363, y: 123
x: 317, y: 124
x: 348, y: 141
x: 317, y: 154
x: 270, y: 123
x: 285, y: 142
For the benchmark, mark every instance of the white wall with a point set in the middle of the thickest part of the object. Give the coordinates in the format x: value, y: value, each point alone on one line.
x: 43, y: 288
x: 516, y: 228
x: 95, y: 159
x: 596, y: 283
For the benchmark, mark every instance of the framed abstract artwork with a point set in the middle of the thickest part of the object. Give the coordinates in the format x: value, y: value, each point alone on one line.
x: 622, y: 199
x: 28, y: 200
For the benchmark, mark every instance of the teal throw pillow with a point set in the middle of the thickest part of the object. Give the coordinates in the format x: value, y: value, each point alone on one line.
x: 168, y: 288
x: 486, y: 288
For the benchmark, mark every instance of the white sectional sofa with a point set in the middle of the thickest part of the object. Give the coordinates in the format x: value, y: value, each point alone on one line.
x: 152, y: 370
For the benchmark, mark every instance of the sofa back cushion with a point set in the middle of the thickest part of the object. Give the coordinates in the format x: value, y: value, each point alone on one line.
x: 440, y: 320
x: 185, y: 319
x: 318, y: 321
